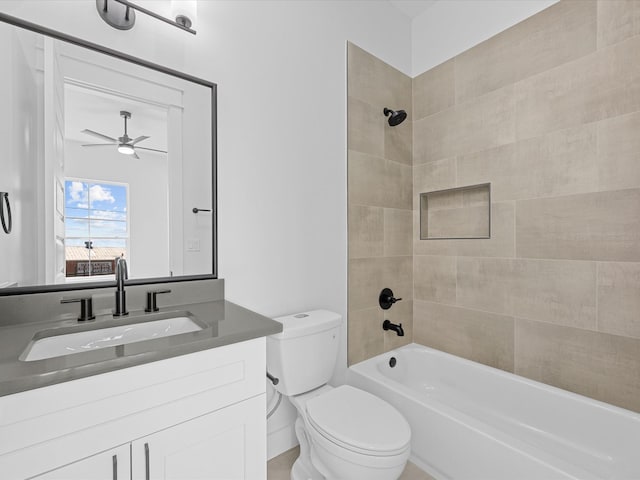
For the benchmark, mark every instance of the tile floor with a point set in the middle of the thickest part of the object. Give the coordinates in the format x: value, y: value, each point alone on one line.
x: 279, y: 468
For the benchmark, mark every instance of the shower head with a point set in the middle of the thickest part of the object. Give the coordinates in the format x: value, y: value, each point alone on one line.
x: 395, y: 117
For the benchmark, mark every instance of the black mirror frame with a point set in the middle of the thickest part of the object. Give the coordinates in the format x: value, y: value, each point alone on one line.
x: 214, y: 192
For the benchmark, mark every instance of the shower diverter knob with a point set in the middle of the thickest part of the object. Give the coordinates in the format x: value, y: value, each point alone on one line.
x: 387, y: 299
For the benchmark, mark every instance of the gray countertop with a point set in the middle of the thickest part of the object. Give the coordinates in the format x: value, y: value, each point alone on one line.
x: 225, y: 323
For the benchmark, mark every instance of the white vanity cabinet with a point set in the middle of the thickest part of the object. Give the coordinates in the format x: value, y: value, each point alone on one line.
x: 196, y: 416
x: 221, y: 445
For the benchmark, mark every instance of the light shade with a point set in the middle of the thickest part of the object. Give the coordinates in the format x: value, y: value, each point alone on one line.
x: 126, y: 149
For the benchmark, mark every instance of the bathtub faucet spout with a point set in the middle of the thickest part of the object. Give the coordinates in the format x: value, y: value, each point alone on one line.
x: 387, y: 325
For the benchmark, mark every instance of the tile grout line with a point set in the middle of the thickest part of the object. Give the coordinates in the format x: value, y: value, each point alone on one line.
x: 515, y: 229
x: 598, y: 182
x: 515, y: 345
x: 455, y: 178
x: 597, y: 288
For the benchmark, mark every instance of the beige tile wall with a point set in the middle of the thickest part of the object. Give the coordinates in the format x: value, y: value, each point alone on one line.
x: 380, y: 214
x: 548, y: 111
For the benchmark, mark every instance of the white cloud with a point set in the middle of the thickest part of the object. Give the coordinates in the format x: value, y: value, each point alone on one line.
x: 89, y: 197
x: 77, y: 192
x: 99, y: 194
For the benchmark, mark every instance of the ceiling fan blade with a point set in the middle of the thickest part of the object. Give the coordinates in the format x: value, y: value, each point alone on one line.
x: 139, y: 139
x: 98, y: 145
x: 135, y: 155
x: 151, y: 149
x: 99, y: 135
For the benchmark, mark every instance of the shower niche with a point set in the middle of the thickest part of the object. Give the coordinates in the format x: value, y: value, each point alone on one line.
x: 456, y: 213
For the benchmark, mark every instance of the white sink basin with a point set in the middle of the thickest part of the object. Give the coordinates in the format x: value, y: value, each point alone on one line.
x: 58, y: 345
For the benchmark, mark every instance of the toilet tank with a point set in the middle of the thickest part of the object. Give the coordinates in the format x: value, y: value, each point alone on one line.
x: 304, y: 355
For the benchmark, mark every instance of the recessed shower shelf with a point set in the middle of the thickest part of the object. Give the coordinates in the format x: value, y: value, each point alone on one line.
x: 456, y: 213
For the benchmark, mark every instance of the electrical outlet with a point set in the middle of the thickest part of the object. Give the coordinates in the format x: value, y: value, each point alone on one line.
x: 193, y: 245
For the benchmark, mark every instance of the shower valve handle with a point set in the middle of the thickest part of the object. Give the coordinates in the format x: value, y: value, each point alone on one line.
x: 387, y: 299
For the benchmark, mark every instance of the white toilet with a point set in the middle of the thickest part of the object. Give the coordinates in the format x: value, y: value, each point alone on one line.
x: 344, y: 433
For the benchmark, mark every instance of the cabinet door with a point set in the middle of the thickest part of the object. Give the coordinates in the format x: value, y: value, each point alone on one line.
x: 228, y: 444
x: 110, y: 465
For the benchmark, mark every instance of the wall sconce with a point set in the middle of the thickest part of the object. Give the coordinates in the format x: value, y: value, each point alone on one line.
x: 121, y: 14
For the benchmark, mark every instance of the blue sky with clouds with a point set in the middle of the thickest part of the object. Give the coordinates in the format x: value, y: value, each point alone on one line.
x: 95, y: 210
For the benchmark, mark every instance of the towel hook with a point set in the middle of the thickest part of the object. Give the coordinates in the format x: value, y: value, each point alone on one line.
x: 5, y: 216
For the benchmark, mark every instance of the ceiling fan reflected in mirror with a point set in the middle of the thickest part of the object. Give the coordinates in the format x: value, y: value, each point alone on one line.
x: 125, y: 144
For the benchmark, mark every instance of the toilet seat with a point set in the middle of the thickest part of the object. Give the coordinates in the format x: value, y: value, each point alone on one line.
x: 359, y: 422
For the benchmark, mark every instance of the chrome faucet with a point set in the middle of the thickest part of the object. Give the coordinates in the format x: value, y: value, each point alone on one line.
x: 121, y: 298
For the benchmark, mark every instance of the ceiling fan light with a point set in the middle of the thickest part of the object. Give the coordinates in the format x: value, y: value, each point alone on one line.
x: 126, y: 149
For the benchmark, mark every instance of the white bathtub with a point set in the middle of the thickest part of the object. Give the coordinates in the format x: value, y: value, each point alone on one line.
x: 473, y: 422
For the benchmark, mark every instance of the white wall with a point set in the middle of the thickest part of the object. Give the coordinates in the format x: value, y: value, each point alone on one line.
x: 450, y: 27
x: 19, y: 136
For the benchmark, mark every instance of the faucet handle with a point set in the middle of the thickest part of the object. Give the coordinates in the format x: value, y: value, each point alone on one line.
x: 86, y: 307
x: 386, y: 299
x: 152, y: 305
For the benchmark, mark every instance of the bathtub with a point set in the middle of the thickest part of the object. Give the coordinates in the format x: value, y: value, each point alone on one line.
x: 473, y: 422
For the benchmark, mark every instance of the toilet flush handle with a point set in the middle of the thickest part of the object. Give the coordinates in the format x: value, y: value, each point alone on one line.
x: 273, y: 379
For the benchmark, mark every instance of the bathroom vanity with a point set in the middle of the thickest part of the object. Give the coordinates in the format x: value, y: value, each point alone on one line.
x: 201, y: 414
x: 190, y: 405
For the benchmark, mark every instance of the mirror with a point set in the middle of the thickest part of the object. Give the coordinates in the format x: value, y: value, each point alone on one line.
x: 105, y: 155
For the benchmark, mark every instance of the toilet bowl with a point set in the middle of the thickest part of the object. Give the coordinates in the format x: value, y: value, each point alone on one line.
x: 353, y: 434
x: 344, y: 433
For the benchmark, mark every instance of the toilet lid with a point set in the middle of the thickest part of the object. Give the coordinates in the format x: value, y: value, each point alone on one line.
x: 359, y: 421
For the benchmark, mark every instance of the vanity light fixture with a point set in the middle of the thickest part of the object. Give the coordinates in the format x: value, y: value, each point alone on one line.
x: 121, y: 14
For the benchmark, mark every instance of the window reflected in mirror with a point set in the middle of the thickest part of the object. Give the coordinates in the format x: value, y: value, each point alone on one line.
x: 96, y: 228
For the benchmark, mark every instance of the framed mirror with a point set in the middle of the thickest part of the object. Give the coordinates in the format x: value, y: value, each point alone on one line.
x: 105, y: 155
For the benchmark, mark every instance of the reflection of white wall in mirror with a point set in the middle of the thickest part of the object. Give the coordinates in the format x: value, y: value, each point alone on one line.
x: 196, y: 125
x: 19, y: 139
x: 98, y: 89
x: 52, y: 176
x: 187, y: 138
x: 148, y: 200
x: 94, y: 96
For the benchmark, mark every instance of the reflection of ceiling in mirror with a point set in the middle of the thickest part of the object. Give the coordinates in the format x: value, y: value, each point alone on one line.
x: 100, y: 111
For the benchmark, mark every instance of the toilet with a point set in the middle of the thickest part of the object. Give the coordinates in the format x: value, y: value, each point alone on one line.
x: 345, y: 433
